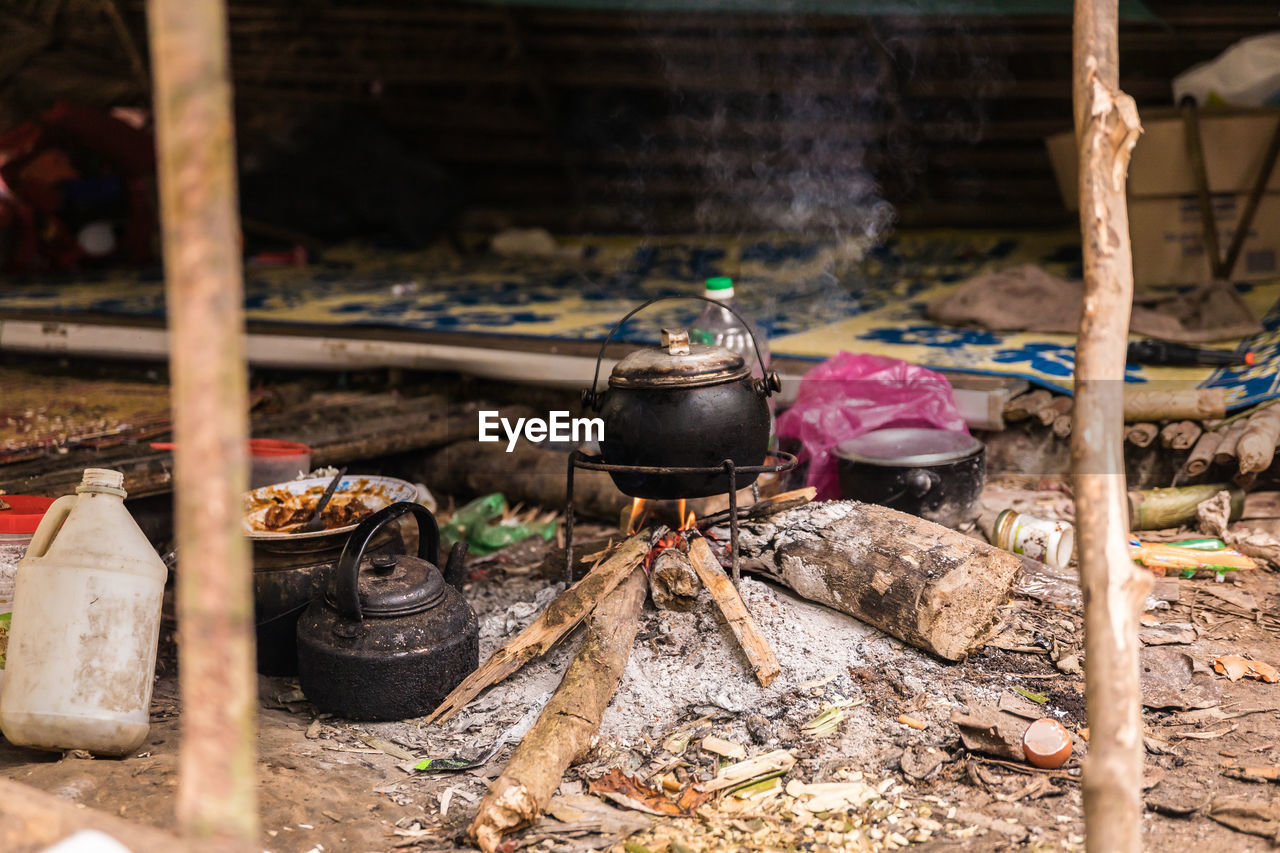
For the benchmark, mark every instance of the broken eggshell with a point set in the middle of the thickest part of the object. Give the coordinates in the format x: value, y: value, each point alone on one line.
x: 1047, y: 744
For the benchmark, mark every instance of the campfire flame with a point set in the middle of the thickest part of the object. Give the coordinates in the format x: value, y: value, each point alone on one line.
x: 637, y: 513
x: 686, y: 518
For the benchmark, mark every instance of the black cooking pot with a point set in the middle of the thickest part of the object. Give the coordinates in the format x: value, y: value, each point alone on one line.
x: 390, y: 638
x: 682, y: 405
x: 933, y: 473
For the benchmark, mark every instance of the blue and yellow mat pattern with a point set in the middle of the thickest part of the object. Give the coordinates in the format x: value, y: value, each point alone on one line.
x: 814, y: 297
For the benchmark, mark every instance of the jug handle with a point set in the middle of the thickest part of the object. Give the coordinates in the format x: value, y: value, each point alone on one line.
x: 347, y: 572
x: 49, y: 525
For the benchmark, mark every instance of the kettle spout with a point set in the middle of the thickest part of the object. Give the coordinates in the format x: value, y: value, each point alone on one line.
x: 454, y: 570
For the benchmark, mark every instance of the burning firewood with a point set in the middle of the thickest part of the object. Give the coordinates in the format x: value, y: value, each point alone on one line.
x: 673, y: 584
x: 735, y: 612
x: 568, y: 724
x: 560, y: 617
x: 925, y: 584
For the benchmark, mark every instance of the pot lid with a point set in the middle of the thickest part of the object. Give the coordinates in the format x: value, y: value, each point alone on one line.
x: 678, y: 364
x: 908, y: 446
x: 23, y: 513
x: 397, y: 585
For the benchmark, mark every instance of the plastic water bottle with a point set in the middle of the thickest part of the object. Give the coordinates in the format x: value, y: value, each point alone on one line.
x: 717, y: 326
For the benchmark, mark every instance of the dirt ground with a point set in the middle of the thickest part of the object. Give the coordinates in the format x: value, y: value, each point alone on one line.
x: 328, y: 785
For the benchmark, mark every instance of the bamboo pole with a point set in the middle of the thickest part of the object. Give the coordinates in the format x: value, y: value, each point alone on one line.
x: 204, y: 294
x: 1107, y: 128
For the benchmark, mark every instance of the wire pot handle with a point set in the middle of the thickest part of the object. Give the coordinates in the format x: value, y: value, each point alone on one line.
x: 765, y: 385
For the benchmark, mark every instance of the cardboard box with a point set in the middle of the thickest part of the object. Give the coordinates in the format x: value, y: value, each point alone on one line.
x: 1164, y: 208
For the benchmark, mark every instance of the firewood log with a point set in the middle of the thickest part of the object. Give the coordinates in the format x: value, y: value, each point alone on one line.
x: 1226, y: 452
x: 1202, y: 454
x: 568, y: 724
x: 929, y: 586
x: 673, y: 583
x: 1141, y: 435
x: 529, y: 474
x: 560, y: 617
x: 734, y: 611
x: 1057, y: 407
x: 1197, y: 404
x: 1179, y: 435
x: 1257, y: 445
x: 1026, y: 405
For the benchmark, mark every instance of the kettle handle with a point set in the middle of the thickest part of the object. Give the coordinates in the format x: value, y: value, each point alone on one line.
x: 50, y: 525
x: 347, y: 572
x: 766, y: 386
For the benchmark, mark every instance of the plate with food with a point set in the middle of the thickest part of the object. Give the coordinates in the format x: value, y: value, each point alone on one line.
x: 279, y: 511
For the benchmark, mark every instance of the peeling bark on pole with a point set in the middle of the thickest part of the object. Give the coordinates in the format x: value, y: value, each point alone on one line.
x: 204, y: 295
x: 1107, y: 128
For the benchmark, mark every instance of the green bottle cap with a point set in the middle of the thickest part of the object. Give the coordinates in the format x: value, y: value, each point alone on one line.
x: 720, y: 282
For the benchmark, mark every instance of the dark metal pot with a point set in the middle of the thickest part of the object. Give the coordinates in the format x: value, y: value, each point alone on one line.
x: 933, y: 473
x: 682, y: 405
x: 391, y: 637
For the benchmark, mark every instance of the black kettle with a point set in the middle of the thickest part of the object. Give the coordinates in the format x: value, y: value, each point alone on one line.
x: 391, y: 637
x: 682, y: 405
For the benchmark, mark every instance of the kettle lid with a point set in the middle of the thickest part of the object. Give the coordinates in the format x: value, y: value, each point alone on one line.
x: 397, y: 585
x: 678, y: 364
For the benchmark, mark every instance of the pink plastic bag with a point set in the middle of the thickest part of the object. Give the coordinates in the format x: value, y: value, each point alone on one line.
x: 848, y: 395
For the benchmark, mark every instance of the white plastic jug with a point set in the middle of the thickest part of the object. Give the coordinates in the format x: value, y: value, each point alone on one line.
x: 86, y: 622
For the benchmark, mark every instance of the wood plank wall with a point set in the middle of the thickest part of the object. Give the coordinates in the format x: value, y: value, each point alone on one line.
x: 607, y: 120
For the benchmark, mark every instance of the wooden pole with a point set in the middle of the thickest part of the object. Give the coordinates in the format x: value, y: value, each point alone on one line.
x: 1107, y: 128
x: 204, y: 294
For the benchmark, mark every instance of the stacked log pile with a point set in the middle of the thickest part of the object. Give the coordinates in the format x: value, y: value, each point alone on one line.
x: 1190, y: 429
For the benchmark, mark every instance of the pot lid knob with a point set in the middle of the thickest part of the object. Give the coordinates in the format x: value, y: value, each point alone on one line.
x: 394, y: 585
x: 676, y: 341
x: 398, y: 586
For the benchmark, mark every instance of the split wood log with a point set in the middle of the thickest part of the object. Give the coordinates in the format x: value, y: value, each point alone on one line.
x: 560, y: 617
x: 1179, y: 435
x: 1195, y: 404
x: 673, y: 583
x: 1141, y: 435
x: 1158, y: 509
x: 929, y: 586
x: 769, y: 506
x: 529, y: 474
x: 1257, y: 445
x: 1026, y: 405
x: 568, y: 724
x: 1057, y: 407
x: 734, y: 611
x: 1226, y: 453
x: 1107, y: 128
x: 1202, y: 454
